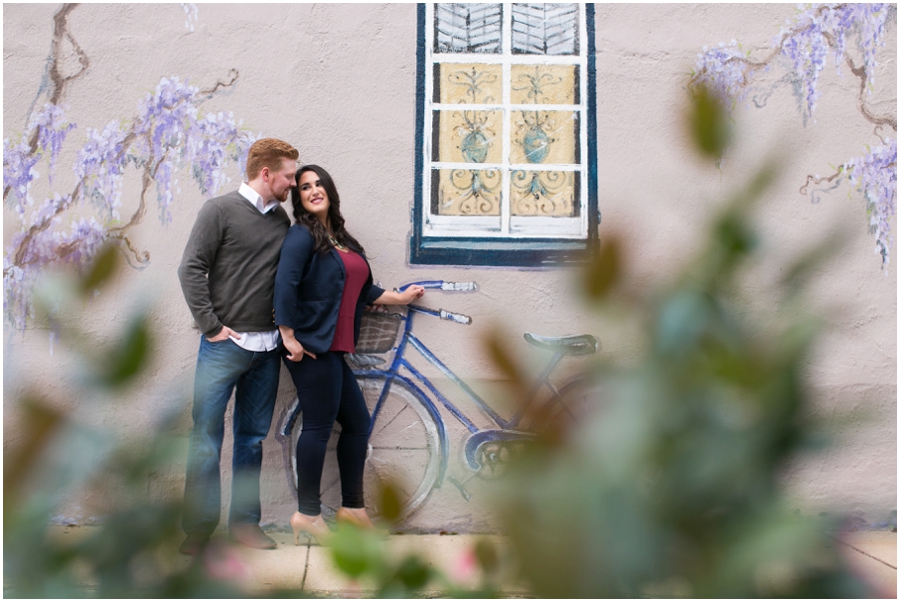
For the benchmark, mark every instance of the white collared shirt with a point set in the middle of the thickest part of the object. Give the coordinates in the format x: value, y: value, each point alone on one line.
x: 256, y: 341
x: 255, y: 199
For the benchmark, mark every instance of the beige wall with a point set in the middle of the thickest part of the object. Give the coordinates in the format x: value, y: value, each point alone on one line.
x: 338, y: 81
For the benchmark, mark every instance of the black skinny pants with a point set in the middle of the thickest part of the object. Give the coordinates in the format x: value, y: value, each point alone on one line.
x: 327, y: 392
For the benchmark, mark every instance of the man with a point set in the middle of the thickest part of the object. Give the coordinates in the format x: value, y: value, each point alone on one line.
x: 228, y: 278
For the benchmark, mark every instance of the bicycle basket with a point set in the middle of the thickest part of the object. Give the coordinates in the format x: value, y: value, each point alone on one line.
x: 378, y: 332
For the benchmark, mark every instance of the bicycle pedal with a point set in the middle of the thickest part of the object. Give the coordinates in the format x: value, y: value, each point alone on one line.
x: 462, y: 488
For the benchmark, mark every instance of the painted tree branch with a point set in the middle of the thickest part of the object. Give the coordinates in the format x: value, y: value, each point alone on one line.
x: 860, y: 72
x: 60, y: 33
x: 58, y: 81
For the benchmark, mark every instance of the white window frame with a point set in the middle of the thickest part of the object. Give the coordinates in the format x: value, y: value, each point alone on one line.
x: 506, y: 225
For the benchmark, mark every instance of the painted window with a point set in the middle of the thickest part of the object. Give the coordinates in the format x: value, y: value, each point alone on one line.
x: 506, y: 128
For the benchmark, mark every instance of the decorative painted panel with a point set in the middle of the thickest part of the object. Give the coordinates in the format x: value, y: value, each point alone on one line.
x: 464, y: 83
x: 469, y: 28
x: 545, y: 84
x: 544, y: 137
x: 545, y: 29
x: 468, y: 137
x: 545, y: 193
x: 467, y: 192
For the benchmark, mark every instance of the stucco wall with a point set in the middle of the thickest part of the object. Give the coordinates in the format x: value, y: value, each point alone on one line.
x: 338, y: 82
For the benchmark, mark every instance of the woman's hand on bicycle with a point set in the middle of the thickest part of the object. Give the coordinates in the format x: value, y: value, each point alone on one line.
x: 405, y: 297
x: 294, y: 347
x: 412, y: 293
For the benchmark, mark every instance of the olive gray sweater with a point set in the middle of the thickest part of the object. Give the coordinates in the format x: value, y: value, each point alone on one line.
x: 228, y: 270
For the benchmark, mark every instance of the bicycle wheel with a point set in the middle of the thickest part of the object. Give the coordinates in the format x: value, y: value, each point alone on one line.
x: 574, y: 402
x: 578, y: 400
x: 404, y: 449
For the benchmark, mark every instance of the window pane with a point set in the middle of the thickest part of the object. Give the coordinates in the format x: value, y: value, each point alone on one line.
x: 545, y: 29
x: 549, y: 137
x: 545, y: 193
x: 466, y: 191
x: 545, y: 84
x: 468, y: 136
x: 456, y: 83
x: 468, y: 28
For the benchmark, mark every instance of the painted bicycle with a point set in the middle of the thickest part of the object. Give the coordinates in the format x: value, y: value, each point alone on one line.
x: 408, y: 444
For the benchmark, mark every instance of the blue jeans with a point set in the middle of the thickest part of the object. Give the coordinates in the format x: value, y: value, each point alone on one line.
x: 222, y: 367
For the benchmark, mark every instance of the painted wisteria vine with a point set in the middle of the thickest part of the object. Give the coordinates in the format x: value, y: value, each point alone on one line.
x: 169, y: 132
x: 803, y: 47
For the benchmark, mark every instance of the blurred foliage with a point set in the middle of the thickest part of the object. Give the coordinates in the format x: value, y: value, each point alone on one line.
x: 365, y: 557
x: 708, y: 124
x: 669, y: 484
x: 59, y: 451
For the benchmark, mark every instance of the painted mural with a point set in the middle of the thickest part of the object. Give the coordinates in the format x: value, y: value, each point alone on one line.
x: 505, y: 174
x: 168, y: 132
x: 851, y: 34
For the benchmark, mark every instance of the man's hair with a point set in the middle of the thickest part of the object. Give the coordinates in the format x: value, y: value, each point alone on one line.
x: 268, y: 152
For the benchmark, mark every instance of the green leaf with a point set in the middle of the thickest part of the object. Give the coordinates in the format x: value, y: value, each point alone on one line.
x: 487, y: 555
x: 102, y: 267
x: 413, y: 573
x: 708, y: 123
x: 389, y: 501
x: 603, y: 271
x: 128, y: 357
x: 356, y: 552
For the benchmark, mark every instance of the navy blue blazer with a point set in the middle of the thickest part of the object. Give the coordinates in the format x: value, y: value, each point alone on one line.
x: 308, y: 290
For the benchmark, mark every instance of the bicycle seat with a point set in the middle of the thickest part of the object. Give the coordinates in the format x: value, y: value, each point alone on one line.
x: 576, y: 344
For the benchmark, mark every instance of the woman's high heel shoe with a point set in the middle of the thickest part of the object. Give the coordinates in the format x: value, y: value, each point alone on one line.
x: 359, y: 519
x: 314, y: 526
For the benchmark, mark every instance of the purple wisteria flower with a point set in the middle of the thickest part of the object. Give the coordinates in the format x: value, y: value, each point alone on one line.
x: 875, y: 176
x: 75, y: 246
x: 100, y: 166
x: 806, y: 48
x: 723, y: 71
x: 806, y: 42
x: 48, y: 128
x: 52, y: 127
x: 191, y: 15
x: 19, y: 172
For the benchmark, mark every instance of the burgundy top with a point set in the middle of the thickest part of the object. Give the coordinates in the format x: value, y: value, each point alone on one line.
x: 357, y: 271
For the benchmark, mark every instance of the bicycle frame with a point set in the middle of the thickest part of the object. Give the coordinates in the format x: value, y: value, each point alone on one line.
x: 400, y: 361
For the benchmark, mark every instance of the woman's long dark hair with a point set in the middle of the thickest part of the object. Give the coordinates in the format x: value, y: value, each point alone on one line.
x: 320, y: 234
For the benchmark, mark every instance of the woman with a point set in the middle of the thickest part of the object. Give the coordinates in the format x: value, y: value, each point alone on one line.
x: 322, y: 286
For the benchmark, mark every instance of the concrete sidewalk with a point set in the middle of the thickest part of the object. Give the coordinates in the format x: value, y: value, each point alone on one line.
x: 310, y: 568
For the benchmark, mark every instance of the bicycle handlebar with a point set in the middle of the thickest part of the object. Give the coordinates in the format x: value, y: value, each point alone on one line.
x: 444, y: 285
x: 443, y: 314
x: 455, y: 317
